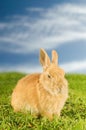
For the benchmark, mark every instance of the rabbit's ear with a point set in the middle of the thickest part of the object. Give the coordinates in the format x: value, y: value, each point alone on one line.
x: 44, y: 58
x: 54, y: 57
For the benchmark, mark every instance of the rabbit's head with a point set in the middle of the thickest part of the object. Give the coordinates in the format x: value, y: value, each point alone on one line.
x: 52, y: 77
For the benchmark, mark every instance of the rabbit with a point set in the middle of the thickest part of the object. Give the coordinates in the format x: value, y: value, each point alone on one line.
x: 42, y: 93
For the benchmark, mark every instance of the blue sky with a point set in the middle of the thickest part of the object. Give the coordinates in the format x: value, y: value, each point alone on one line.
x: 28, y: 25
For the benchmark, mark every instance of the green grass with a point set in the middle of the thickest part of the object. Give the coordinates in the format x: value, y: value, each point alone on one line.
x: 73, y: 116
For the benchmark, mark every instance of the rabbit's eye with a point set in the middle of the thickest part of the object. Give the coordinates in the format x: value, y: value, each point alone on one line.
x: 49, y: 76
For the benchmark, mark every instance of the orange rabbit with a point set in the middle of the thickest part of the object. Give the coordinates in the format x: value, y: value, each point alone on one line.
x: 42, y: 93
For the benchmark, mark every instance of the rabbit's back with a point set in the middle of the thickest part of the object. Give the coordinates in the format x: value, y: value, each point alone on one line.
x: 24, y: 93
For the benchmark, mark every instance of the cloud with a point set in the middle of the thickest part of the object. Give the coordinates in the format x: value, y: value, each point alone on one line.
x: 73, y: 8
x: 55, y: 26
x: 35, y: 9
x: 74, y: 66
x: 70, y: 67
x: 21, y: 68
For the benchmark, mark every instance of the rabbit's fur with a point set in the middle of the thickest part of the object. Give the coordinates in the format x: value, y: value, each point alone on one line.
x: 42, y: 93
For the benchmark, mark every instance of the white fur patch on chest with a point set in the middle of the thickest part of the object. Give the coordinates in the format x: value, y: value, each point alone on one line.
x: 53, y: 92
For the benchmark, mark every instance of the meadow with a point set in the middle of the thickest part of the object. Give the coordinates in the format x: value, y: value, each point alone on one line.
x: 73, y: 115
